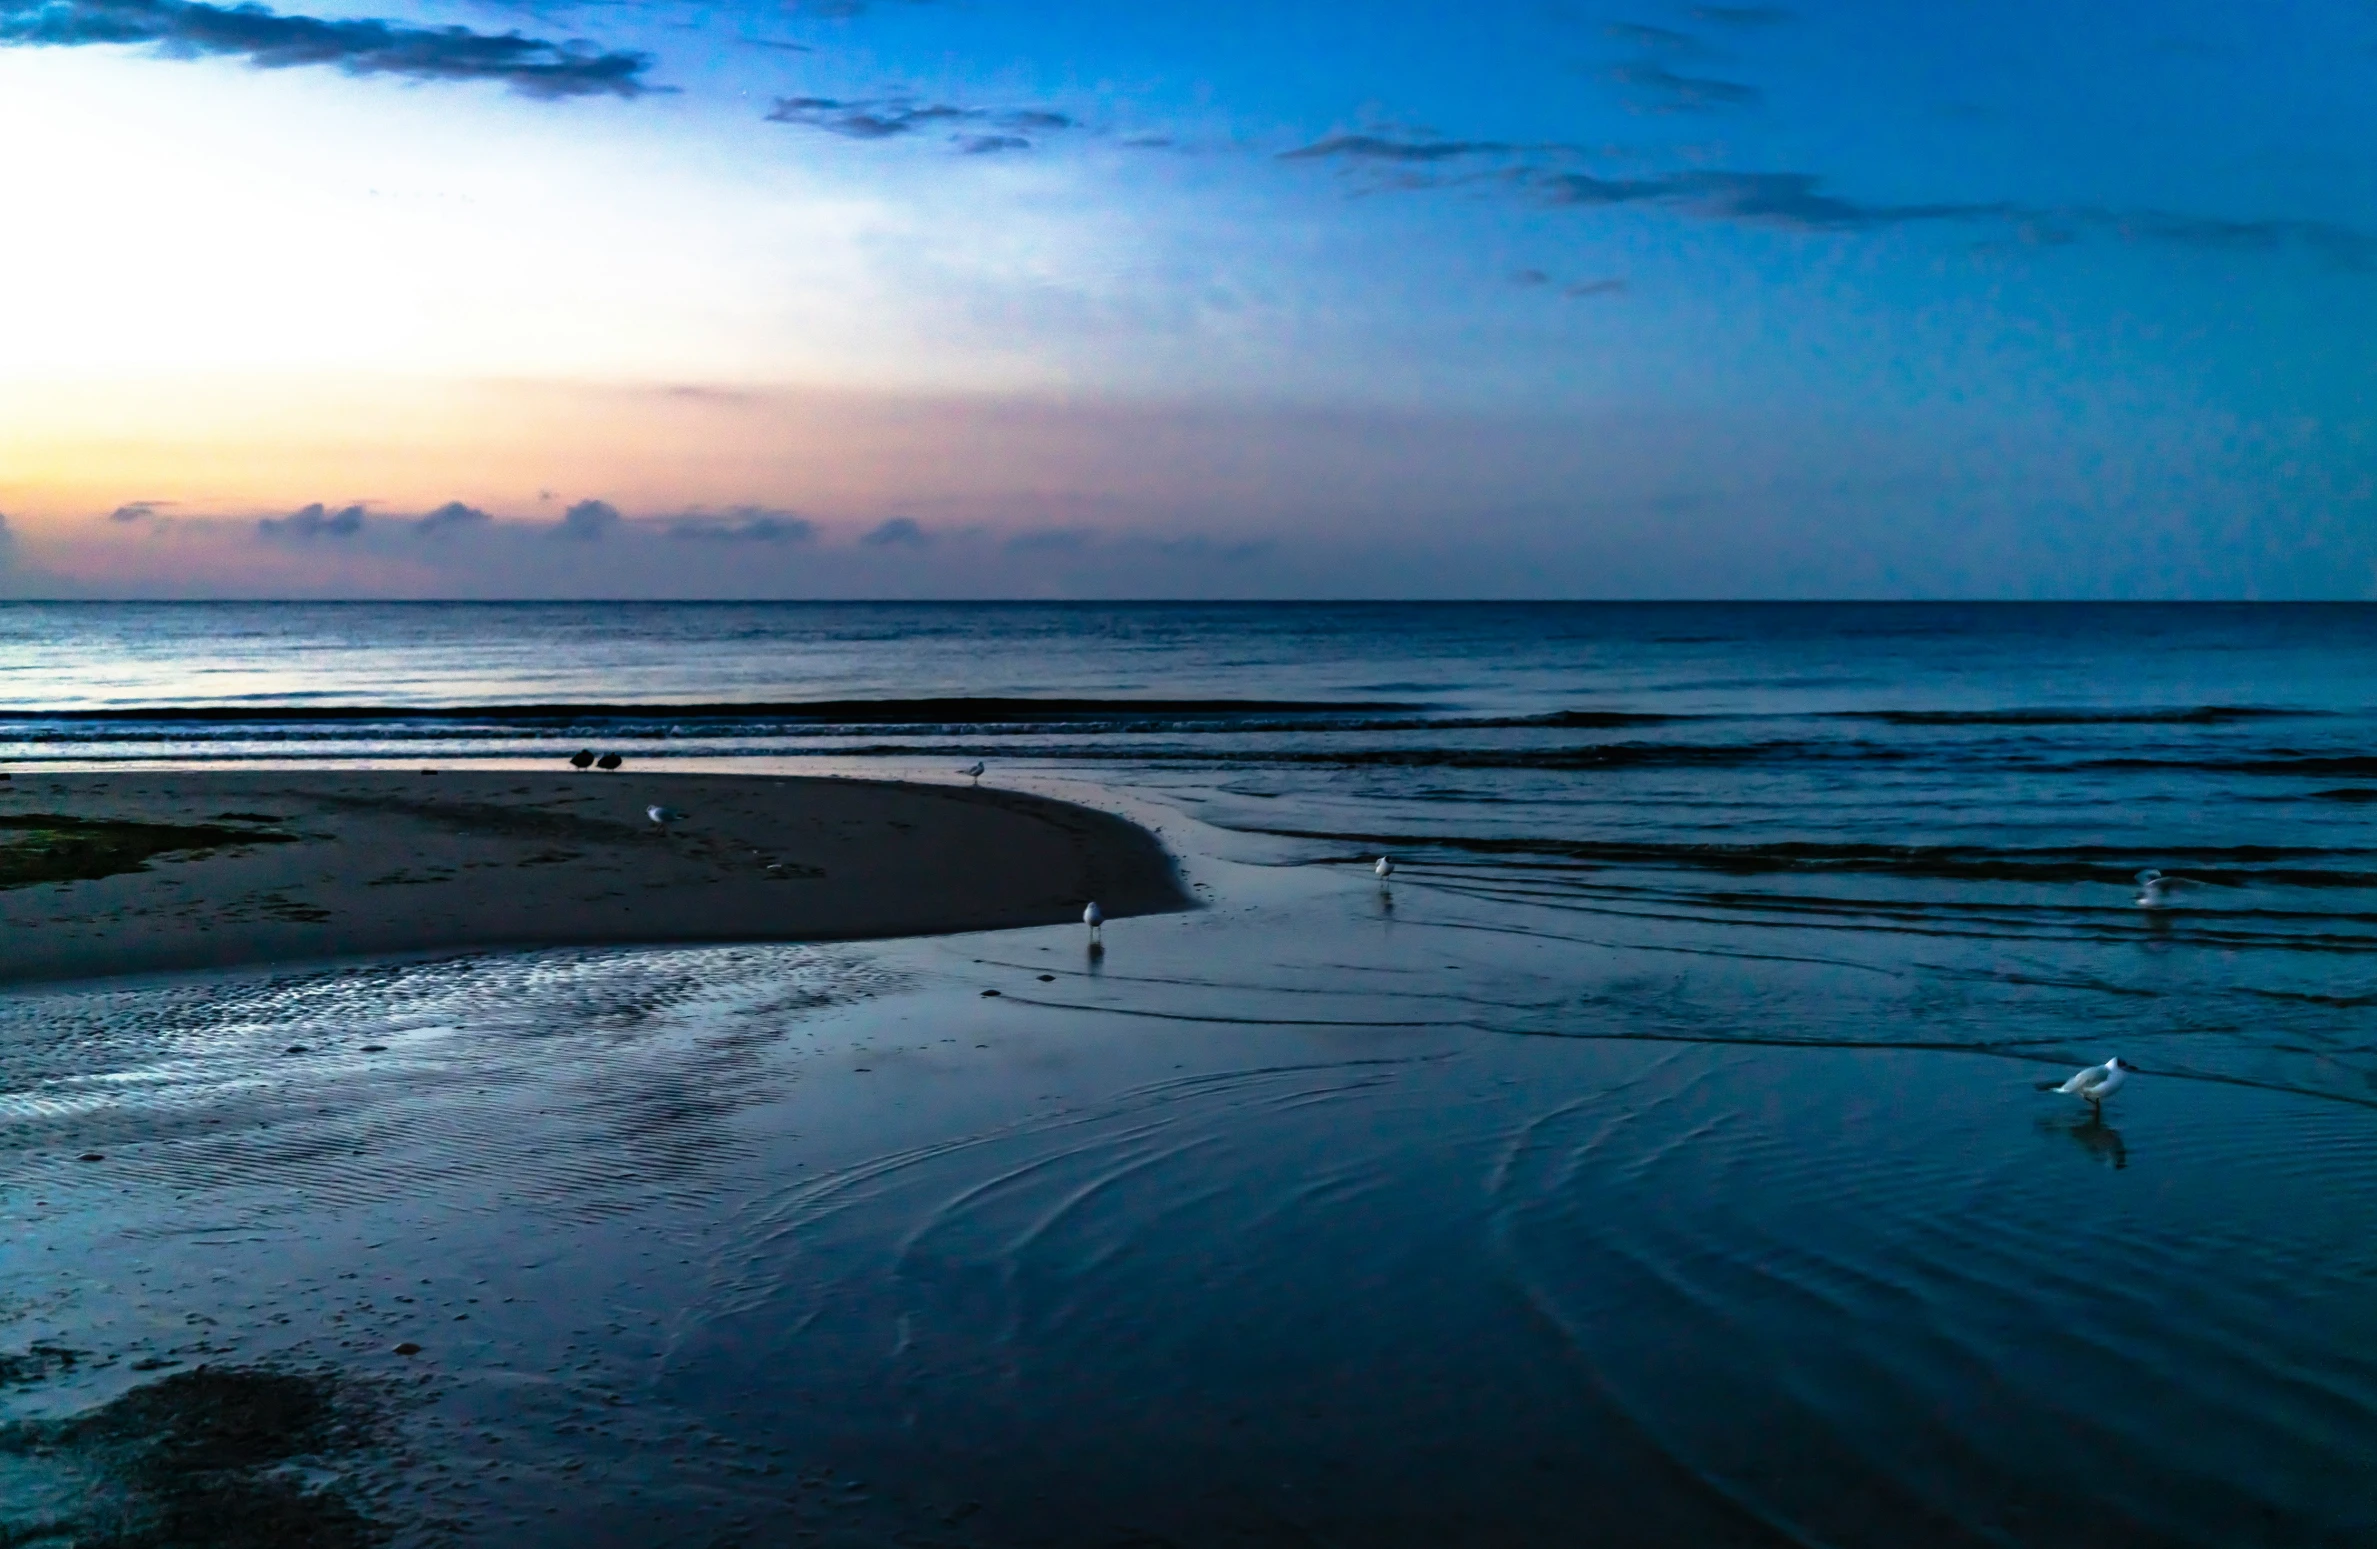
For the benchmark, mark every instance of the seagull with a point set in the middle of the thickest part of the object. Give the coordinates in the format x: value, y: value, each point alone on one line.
x: 974, y: 769
x: 1093, y: 917
x: 2154, y: 889
x: 582, y: 759
x: 2098, y: 1082
x: 1384, y: 869
x: 609, y: 761
x: 664, y: 816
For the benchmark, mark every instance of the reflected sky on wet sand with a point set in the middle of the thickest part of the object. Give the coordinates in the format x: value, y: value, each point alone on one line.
x: 1321, y: 1215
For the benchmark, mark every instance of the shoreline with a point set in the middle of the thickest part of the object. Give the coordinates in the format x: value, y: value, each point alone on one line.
x: 117, y: 873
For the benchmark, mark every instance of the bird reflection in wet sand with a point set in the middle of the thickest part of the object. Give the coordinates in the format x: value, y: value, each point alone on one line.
x: 2100, y: 1140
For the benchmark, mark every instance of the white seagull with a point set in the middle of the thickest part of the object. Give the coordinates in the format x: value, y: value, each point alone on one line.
x: 1384, y: 869
x: 2098, y: 1082
x: 974, y: 770
x: 2154, y: 889
x: 664, y: 816
x: 1093, y: 917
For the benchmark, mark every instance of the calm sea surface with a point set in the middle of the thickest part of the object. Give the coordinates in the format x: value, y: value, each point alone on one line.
x: 1658, y: 1159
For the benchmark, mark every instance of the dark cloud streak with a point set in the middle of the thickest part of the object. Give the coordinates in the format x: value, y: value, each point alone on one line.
x: 890, y: 118
x: 451, y: 517
x: 743, y: 524
x: 310, y: 522
x: 1371, y: 147
x: 899, y: 532
x: 1666, y: 91
x: 586, y: 522
x: 272, y: 41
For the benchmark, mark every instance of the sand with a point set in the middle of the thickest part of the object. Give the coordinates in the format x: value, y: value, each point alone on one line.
x: 233, y: 868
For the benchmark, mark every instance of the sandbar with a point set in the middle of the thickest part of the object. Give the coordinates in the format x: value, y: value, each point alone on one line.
x: 124, y: 872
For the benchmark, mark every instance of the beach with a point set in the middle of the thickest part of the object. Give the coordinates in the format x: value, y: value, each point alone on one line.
x: 231, y: 868
x: 1658, y: 1156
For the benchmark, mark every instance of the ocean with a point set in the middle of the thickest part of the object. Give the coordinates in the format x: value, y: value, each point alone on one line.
x: 1657, y: 1157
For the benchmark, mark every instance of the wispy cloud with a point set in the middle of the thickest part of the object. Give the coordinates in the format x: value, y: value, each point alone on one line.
x: 889, y: 118
x: 587, y: 521
x: 1050, y: 540
x: 314, y: 521
x: 137, y: 510
x: 1584, y: 288
x: 1765, y: 198
x: 1745, y: 16
x: 269, y: 40
x: 2347, y: 247
x: 743, y: 524
x: 899, y: 532
x: 1372, y: 147
x: 1659, y: 89
x: 1644, y: 35
x: 452, y: 517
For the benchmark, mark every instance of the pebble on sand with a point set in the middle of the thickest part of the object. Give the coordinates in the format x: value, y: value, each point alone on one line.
x: 408, y: 1348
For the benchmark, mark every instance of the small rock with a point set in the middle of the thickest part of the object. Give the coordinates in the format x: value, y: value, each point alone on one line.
x: 408, y: 1348
x: 375, y: 1048
x: 988, y: 993
x: 297, y: 1048
x: 91, y: 1156
x: 1048, y: 978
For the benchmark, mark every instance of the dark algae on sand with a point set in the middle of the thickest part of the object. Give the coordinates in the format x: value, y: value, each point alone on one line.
x: 203, y: 1459
x: 56, y: 847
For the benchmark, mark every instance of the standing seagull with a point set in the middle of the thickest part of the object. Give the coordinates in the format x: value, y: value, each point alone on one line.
x: 1384, y: 869
x: 582, y: 759
x: 975, y: 770
x: 1094, y: 917
x: 664, y: 816
x: 2098, y: 1082
x: 609, y: 761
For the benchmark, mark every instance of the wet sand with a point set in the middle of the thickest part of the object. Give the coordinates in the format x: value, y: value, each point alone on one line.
x: 220, y: 869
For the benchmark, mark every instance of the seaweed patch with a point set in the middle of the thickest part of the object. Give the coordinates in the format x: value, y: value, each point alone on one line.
x: 54, y: 847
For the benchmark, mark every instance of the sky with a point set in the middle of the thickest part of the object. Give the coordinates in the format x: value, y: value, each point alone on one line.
x: 959, y: 298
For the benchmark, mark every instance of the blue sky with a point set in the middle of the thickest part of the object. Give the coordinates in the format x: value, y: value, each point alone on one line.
x: 1405, y: 299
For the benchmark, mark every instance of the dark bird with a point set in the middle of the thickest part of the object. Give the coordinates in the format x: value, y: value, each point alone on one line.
x: 582, y: 759
x: 609, y: 761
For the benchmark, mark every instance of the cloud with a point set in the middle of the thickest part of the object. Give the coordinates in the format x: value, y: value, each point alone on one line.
x: 899, y: 532
x: 888, y: 118
x: 744, y: 524
x: 2345, y: 246
x: 314, y: 521
x: 1745, y: 16
x: 1644, y: 35
x: 451, y: 517
x: 1761, y: 198
x: 862, y: 120
x: 1529, y: 277
x: 1370, y: 147
x: 137, y: 510
x: 1584, y: 288
x: 840, y: 10
x: 1797, y: 200
x: 269, y: 40
x: 587, y: 521
x: 1053, y: 540
x: 1664, y: 91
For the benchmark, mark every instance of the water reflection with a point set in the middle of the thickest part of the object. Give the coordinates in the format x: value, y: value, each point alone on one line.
x: 2092, y: 1134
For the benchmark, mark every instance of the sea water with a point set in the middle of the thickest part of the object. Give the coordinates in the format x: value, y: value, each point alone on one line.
x: 1657, y: 1158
